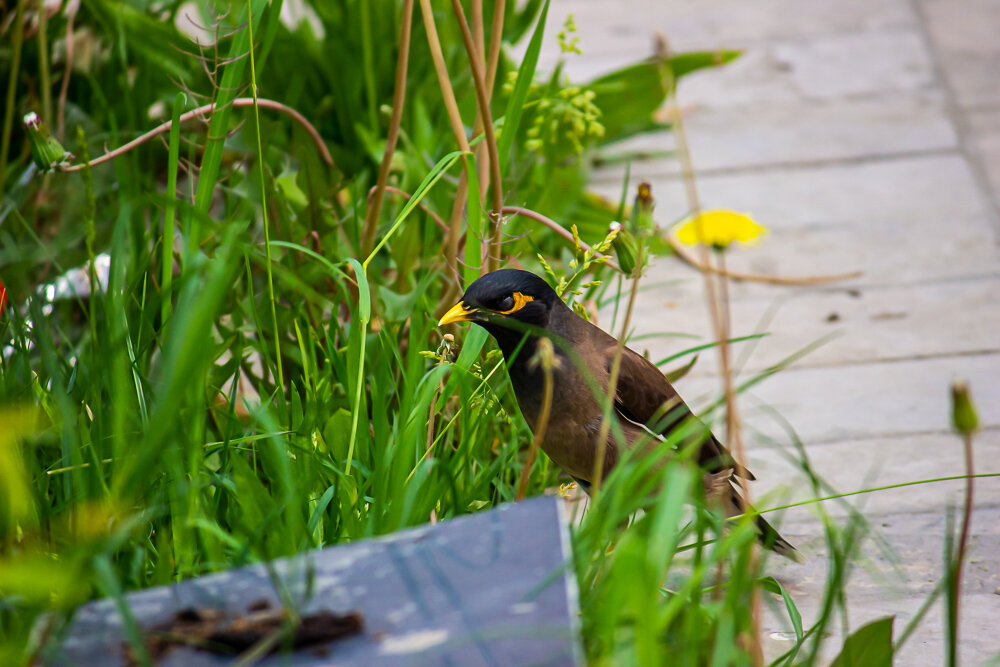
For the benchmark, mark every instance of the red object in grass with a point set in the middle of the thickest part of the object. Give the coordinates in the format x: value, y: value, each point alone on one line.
x: 3, y: 297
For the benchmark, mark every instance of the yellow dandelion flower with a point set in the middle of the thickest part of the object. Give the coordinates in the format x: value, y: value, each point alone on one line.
x: 720, y: 228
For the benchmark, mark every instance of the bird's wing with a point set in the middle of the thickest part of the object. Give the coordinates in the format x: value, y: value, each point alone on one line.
x: 646, y: 397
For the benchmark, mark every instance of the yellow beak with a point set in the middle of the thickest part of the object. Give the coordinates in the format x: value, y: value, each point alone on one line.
x: 458, y: 313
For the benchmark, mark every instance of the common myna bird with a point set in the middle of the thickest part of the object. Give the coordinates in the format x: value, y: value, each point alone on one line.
x: 518, y: 308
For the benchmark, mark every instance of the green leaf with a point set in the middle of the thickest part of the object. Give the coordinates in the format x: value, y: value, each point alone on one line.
x: 772, y: 585
x: 870, y: 645
x: 678, y: 373
x: 628, y: 97
x: 525, y: 75
x: 364, y: 293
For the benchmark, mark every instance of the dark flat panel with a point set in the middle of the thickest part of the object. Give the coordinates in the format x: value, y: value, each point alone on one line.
x: 486, y: 589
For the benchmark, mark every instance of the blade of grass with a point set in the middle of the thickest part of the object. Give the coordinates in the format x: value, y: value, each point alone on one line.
x: 263, y: 210
x: 169, y: 214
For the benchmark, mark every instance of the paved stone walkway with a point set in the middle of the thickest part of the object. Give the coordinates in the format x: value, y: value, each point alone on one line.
x: 866, y: 135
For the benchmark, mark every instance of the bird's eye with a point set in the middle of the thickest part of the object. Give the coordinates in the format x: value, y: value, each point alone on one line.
x: 506, y: 303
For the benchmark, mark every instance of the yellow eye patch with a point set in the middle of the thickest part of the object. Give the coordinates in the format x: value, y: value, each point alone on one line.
x: 520, y: 301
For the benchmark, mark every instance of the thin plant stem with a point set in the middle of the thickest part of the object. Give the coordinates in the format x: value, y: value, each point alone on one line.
x: 496, y: 37
x: 716, y: 315
x: 15, y: 67
x: 554, y: 226
x: 444, y: 80
x: 71, y: 9
x: 398, y: 99
x: 616, y: 364
x: 390, y: 190
x: 263, y: 207
x: 546, y: 359
x: 688, y: 258
x: 169, y: 213
x: 199, y: 112
x: 484, y: 111
x: 43, y: 59
x: 899, y: 485
x: 478, y: 30
x: 963, y: 540
x: 457, y: 128
x: 455, y: 225
x: 733, y: 435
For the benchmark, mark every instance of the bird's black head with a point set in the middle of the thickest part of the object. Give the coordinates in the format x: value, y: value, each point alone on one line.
x: 506, y: 303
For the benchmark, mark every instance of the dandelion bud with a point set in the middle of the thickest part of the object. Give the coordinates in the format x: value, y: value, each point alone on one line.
x: 963, y: 412
x: 626, y: 248
x: 46, y: 150
x: 642, y: 211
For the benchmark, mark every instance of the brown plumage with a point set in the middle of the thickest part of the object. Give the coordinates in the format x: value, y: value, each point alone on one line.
x: 516, y: 308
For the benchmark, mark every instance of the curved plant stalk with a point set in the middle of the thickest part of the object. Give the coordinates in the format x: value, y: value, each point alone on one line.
x: 688, y: 258
x: 390, y: 190
x: 554, y: 226
x: 398, y: 99
x: 208, y: 109
x: 482, y: 96
x: 719, y: 315
x: 457, y: 128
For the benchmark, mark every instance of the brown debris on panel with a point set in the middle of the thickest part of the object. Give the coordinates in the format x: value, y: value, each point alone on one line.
x: 212, y: 630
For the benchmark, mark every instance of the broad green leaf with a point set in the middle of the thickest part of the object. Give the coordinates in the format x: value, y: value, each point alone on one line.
x: 628, y: 97
x: 870, y: 646
x: 525, y: 75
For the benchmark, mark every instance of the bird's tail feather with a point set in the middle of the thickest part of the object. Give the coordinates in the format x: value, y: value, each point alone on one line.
x: 768, y: 536
x: 772, y: 540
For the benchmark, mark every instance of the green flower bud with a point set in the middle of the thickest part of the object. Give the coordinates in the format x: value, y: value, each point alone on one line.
x: 46, y: 150
x: 642, y: 211
x: 963, y: 411
x: 626, y: 248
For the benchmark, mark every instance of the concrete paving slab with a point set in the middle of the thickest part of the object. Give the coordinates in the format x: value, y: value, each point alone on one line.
x: 835, y: 403
x: 876, y: 461
x: 894, y: 579
x: 695, y: 24
x: 752, y: 137
x: 984, y: 129
x: 840, y: 66
x: 927, y: 188
x: 964, y: 38
x: 895, y: 323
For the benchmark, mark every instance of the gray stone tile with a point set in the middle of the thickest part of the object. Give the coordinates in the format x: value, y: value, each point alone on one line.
x: 894, y: 579
x: 752, y: 137
x: 923, y: 188
x: 847, y: 65
x: 949, y: 318
x: 694, y: 24
x: 964, y: 37
x: 878, y: 461
x: 827, y: 404
x: 984, y: 127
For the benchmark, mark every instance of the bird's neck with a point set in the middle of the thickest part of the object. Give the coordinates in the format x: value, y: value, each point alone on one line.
x: 515, y: 352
